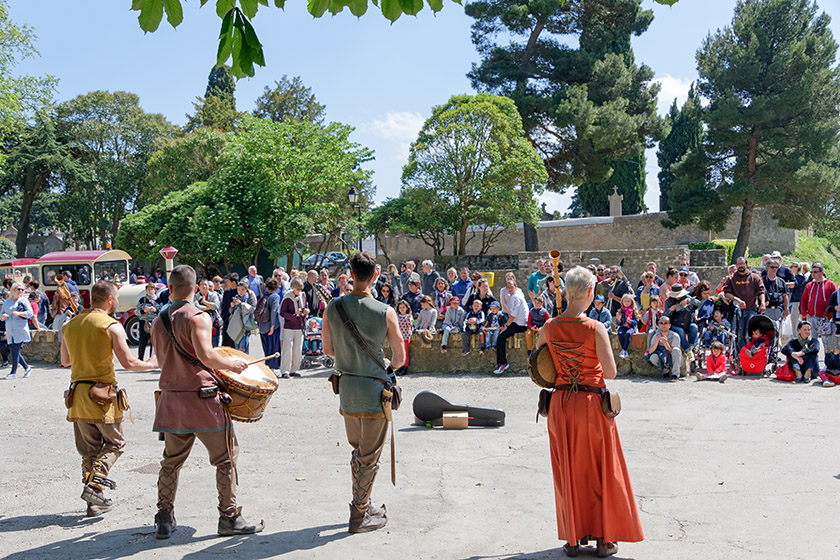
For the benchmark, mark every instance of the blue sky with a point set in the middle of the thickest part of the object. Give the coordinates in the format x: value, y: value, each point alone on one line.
x: 381, y: 78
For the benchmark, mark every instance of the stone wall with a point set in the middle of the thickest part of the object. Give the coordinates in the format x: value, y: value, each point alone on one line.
x: 708, y: 257
x: 44, y: 347
x: 637, y: 232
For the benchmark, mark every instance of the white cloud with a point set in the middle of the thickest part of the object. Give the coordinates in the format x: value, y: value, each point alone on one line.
x: 399, y: 128
x: 672, y: 87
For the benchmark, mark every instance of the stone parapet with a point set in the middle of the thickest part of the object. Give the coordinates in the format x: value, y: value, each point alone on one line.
x: 44, y: 347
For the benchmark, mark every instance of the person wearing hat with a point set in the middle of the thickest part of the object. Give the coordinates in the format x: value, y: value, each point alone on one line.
x: 600, y: 312
x: 692, y: 276
x: 785, y: 273
x: 679, y: 308
x: 453, y: 318
x: 491, y: 327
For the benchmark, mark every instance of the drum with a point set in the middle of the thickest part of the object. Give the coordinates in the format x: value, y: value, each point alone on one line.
x: 250, y: 390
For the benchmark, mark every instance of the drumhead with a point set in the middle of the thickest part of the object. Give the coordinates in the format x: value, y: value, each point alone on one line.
x: 256, y: 375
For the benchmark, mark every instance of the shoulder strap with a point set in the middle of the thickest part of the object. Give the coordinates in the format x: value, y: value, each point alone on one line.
x: 167, y: 324
x: 354, y: 332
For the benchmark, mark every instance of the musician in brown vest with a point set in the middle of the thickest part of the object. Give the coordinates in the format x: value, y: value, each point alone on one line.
x: 88, y: 345
x: 190, y: 405
x: 361, y: 382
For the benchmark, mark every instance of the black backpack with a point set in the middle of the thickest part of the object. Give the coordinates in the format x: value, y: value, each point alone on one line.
x: 262, y: 313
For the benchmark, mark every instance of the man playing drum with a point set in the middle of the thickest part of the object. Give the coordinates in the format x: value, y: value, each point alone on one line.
x: 88, y: 344
x: 190, y: 406
x: 361, y: 383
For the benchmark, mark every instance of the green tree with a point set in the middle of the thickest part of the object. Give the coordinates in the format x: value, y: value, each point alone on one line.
x: 217, y: 109
x: 772, y: 121
x: 181, y: 162
x: 7, y: 249
x: 289, y: 99
x: 419, y: 213
x: 472, y: 152
x: 686, y: 134
x: 238, y: 40
x: 20, y: 95
x: 113, y: 137
x: 628, y: 178
x: 37, y: 162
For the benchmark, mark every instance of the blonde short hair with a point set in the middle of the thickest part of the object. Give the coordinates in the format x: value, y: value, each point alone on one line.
x: 578, y: 282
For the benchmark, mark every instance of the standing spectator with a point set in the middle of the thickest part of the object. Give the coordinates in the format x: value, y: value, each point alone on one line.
x: 208, y: 301
x: 430, y: 276
x: 4, y: 343
x: 692, y: 276
x: 775, y: 293
x: 413, y: 296
x: 33, y: 298
x: 147, y: 310
x: 231, y: 280
x: 533, y: 282
x: 218, y: 287
x: 408, y: 274
x: 460, y: 287
x: 69, y: 282
x: 43, y: 302
x: 394, y: 281
x: 746, y: 290
x: 601, y: 313
x: 324, y: 280
x: 386, y: 296
x: 405, y: 321
x: 242, y: 322
x: 620, y: 287
x: 256, y: 283
x: 271, y: 331
x: 651, y: 267
x: 815, y: 296
x: 796, y: 294
x: 282, y: 278
x: 517, y: 322
x: 472, y: 289
x: 294, y: 311
x: 313, y: 300
x: 672, y: 277
x: 17, y: 312
x: 600, y: 276
x: 451, y: 276
x: 784, y: 272
x: 549, y: 297
x: 381, y: 280
x: 342, y: 281
x: 453, y: 319
x: 603, y: 287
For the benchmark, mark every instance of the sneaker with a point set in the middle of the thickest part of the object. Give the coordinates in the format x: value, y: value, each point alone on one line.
x: 236, y: 525
x: 294, y: 374
x: 28, y: 372
x: 699, y: 376
x: 165, y: 524
x: 723, y: 378
x: 443, y: 349
x: 467, y: 353
x: 501, y: 369
x: 10, y: 376
x: 284, y: 376
x: 828, y: 383
x: 674, y: 378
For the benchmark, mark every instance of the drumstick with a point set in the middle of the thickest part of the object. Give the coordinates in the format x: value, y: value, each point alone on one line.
x: 258, y: 360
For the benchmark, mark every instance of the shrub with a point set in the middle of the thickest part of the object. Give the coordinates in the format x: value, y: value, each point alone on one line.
x: 729, y: 245
x: 8, y: 251
x: 702, y: 245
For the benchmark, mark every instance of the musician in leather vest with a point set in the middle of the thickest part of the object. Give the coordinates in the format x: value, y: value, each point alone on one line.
x: 88, y: 345
x: 190, y: 406
x: 361, y: 383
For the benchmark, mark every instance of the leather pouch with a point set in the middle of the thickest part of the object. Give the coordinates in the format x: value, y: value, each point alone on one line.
x: 610, y: 404
x: 545, y: 401
x: 122, y: 400
x: 102, y: 393
x: 68, y: 396
x: 396, y: 397
x: 334, y: 379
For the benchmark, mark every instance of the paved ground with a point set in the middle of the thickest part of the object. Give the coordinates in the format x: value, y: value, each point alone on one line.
x: 746, y: 469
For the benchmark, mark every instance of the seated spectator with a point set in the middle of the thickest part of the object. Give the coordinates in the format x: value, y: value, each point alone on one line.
x: 428, y: 316
x: 484, y: 294
x: 758, y: 340
x: 473, y: 322
x: 312, y: 337
x: 799, y: 280
x: 650, y: 318
x: 627, y: 321
x: 717, y: 330
x: 664, y: 351
x: 601, y: 313
x: 715, y: 365
x: 430, y: 276
x: 703, y: 300
x: 453, y: 320
x: 441, y: 297
x: 679, y: 308
x: 672, y: 277
x: 451, y: 276
x: 516, y: 322
x: 692, y: 276
x: 413, y: 296
x: 537, y: 317
x: 802, y: 353
x: 831, y: 375
x: 504, y: 295
x: 646, y: 290
x: 492, y: 324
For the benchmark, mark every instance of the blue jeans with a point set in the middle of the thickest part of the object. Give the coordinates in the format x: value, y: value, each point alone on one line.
x: 663, y: 357
x: 625, y: 335
x: 708, y: 337
x: 17, y: 357
x: 490, y: 338
x: 447, y: 330
x: 811, y: 362
x: 743, y: 335
x: 686, y: 339
x: 244, y: 343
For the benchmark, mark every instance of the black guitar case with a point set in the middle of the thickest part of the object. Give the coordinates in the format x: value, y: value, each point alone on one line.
x: 429, y: 408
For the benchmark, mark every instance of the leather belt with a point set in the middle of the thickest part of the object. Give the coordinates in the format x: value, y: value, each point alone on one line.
x: 579, y: 387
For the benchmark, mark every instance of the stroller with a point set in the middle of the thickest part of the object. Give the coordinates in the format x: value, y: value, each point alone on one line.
x: 701, y: 353
x: 757, y: 364
x: 313, y: 355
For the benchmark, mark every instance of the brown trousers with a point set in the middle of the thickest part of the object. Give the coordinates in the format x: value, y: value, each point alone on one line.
x: 367, y: 437
x: 100, y: 445
x: 177, y: 448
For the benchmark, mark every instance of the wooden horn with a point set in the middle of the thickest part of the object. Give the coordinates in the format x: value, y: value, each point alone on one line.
x: 555, y: 262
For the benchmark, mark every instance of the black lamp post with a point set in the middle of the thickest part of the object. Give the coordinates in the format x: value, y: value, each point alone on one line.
x: 353, y: 197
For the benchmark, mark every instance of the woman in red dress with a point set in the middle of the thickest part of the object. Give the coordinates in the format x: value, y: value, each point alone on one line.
x: 592, y: 490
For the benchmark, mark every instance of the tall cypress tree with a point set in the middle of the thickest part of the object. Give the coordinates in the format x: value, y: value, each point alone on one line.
x: 773, y: 119
x: 217, y: 109
x: 628, y: 178
x: 686, y: 134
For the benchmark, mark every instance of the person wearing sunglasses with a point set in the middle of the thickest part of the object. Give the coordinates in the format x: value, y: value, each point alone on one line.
x: 816, y: 296
x: 16, y: 313
x: 776, y: 292
x: 664, y: 351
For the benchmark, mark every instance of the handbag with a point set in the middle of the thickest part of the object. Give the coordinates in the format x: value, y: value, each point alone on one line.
x: 610, y: 402
x: 826, y: 327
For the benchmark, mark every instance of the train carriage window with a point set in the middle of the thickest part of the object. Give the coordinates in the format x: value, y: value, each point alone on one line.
x: 114, y: 271
x: 80, y: 273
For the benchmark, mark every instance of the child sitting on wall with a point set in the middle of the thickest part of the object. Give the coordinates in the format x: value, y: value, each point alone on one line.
x: 536, y: 319
x: 452, y: 321
x: 601, y: 313
x: 473, y: 322
x: 492, y: 324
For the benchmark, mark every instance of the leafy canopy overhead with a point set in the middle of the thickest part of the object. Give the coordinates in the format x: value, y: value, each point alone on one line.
x: 238, y: 39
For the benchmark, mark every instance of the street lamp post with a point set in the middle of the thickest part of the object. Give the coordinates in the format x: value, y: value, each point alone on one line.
x: 353, y: 197
x: 168, y: 254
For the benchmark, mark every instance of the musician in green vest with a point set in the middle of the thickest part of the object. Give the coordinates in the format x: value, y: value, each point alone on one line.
x: 362, y: 381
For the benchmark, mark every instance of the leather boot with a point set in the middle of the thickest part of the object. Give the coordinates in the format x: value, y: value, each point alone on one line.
x: 95, y: 497
x: 380, y: 511
x: 364, y: 521
x: 165, y: 524
x: 95, y: 511
x: 236, y: 525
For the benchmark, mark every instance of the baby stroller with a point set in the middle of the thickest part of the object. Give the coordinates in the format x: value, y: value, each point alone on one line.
x: 313, y: 352
x: 701, y: 353
x: 757, y: 364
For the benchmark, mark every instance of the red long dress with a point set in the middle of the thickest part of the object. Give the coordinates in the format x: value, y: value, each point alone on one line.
x: 592, y: 487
